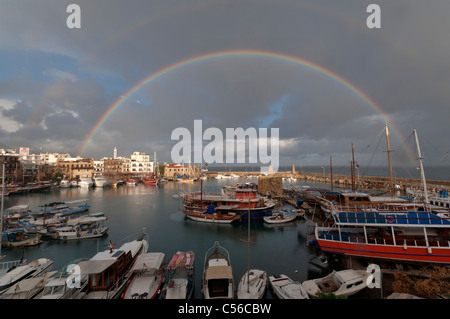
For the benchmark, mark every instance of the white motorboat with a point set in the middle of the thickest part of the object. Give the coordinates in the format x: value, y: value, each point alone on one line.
x: 57, y: 287
x: 252, y: 284
x: 340, y: 283
x: 27, y: 288
x: 101, y: 181
x: 86, y: 182
x: 29, y: 270
x: 74, y: 183
x: 147, y: 277
x: 285, y: 288
x: 64, y: 183
x: 80, y: 228
x: 217, y: 281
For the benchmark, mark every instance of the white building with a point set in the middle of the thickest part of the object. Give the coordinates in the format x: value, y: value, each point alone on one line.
x: 139, y: 163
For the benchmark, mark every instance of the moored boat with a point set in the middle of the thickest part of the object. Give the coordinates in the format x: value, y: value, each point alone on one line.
x: 285, y: 288
x: 281, y: 216
x: 65, y: 183
x: 86, y: 182
x: 212, y: 214
x: 180, y: 282
x: 101, y: 181
x: 24, y: 271
x: 151, y: 180
x: 244, y: 202
x: 252, y: 284
x: 146, y: 277
x: 131, y: 182
x: 416, y: 235
x: 107, y: 271
x: 20, y: 237
x: 340, y: 283
x: 80, y: 228
x: 27, y: 288
x: 217, y: 280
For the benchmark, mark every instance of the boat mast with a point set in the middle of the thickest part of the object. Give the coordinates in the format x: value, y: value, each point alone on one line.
x: 331, y: 172
x: 353, y: 169
x: 389, y: 160
x: 422, y: 173
x: 1, y: 218
x: 248, y: 247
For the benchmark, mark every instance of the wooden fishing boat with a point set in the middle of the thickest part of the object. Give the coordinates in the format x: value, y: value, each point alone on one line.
x: 217, y: 281
x: 212, y: 214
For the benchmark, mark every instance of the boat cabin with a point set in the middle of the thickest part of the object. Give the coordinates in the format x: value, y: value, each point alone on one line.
x: 106, y: 268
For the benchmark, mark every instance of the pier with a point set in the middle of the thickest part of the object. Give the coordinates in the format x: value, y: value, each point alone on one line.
x: 345, y: 181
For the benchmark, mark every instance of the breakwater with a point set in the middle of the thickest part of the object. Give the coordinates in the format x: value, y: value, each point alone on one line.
x: 363, y: 183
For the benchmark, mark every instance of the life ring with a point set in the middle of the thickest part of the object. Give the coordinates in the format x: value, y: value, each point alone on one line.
x: 78, y: 235
x: 389, y: 219
x: 64, y: 237
x: 58, y: 237
x: 95, y: 233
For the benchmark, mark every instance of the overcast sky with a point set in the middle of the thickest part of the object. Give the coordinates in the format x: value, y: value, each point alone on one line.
x: 56, y: 82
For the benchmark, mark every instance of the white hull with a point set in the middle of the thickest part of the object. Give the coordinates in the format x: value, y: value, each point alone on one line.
x: 73, y: 235
x: 32, y: 269
x: 285, y: 288
x: 340, y: 283
x: 86, y: 182
x: 252, y: 286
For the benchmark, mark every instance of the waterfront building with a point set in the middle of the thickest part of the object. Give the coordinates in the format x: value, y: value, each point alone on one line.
x: 75, y: 168
x: 31, y: 164
x: 12, y: 165
x: 113, y: 166
x: 175, y: 170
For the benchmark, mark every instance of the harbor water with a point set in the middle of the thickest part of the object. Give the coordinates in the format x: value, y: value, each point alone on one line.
x: 278, y: 249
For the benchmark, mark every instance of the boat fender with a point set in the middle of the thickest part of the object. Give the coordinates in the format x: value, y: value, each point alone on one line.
x: 58, y: 237
x: 95, y: 233
x: 78, y: 235
x: 64, y: 237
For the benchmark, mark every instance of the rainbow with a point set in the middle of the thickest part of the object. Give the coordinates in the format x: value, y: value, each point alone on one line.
x: 214, y: 55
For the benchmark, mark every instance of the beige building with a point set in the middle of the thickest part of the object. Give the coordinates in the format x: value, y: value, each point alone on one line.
x: 174, y: 170
x: 75, y: 168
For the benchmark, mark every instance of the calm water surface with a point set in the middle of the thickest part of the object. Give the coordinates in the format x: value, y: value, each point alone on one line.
x: 277, y: 249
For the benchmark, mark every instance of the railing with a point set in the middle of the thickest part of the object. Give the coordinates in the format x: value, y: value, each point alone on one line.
x: 333, y: 234
x: 394, y: 218
x: 9, y: 264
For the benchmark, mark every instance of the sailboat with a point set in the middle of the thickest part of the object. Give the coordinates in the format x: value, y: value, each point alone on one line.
x: 419, y: 236
x: 254, y: 281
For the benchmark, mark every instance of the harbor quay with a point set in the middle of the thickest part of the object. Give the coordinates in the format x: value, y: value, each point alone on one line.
x: 364, y: 183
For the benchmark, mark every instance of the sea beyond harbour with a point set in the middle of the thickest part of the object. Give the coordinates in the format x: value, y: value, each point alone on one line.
x: 431, y: 172
x: 130, y: 209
